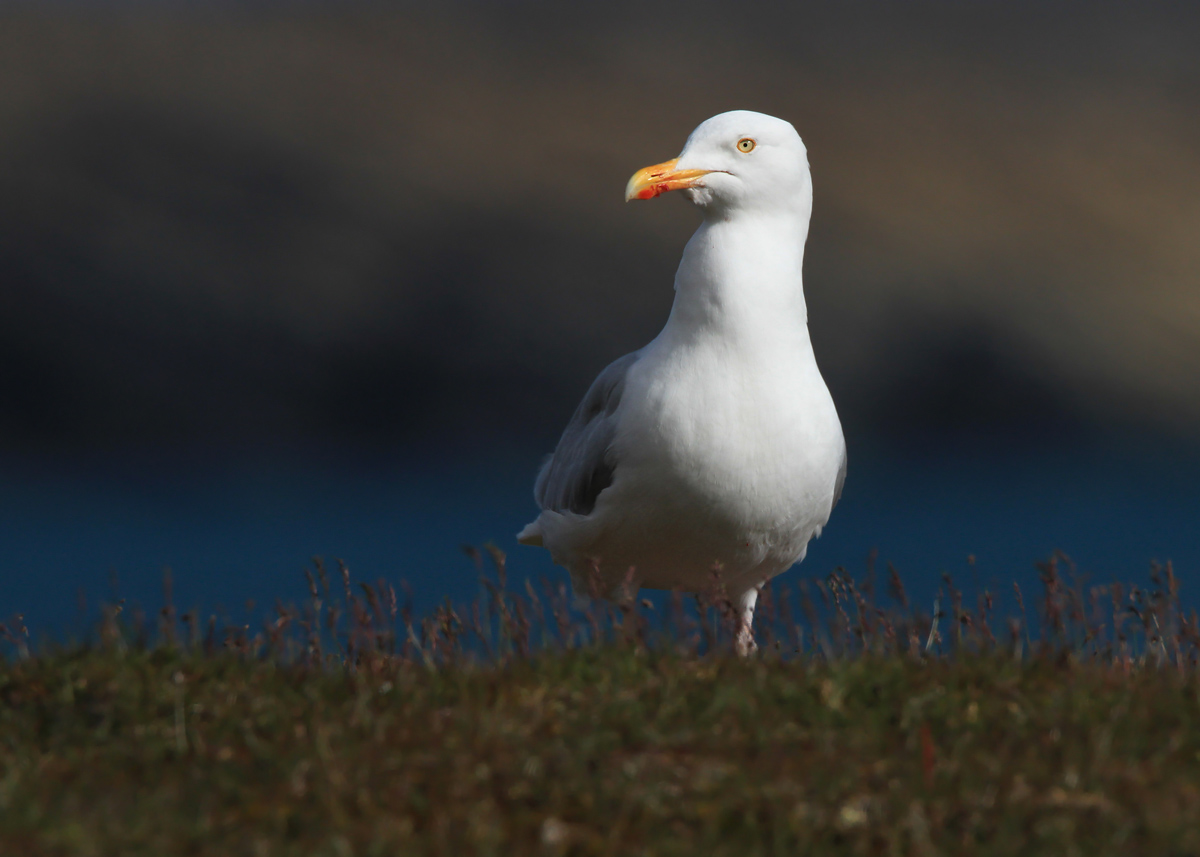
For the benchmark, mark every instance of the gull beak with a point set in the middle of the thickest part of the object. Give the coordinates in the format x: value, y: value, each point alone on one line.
x: 660, y: 178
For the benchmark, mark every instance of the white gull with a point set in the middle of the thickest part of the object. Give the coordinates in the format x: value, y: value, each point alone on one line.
x: 717, y: 445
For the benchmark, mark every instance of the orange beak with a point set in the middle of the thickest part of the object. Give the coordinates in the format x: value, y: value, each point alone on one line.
x: 660, y: 178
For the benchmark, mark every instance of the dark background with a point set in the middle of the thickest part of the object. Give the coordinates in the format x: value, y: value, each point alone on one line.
x: 279, y: 280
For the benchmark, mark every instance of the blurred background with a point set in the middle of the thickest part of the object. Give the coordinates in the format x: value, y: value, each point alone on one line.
x: 290, y: 279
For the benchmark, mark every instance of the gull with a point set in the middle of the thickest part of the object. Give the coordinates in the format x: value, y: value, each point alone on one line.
x: 717, y: 446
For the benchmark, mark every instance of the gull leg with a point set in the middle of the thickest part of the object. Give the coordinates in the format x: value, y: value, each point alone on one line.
x: 744, y: 604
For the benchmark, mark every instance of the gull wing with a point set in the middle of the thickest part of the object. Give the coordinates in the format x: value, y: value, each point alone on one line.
x: 583, y: 463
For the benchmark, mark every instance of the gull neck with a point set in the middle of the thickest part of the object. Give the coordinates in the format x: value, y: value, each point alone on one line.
x: 742, y: 276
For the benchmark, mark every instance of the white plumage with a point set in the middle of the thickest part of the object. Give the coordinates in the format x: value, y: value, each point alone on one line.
x: 717, y: 444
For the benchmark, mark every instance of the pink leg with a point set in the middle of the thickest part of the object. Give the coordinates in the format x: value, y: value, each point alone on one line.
x: 744, y: 604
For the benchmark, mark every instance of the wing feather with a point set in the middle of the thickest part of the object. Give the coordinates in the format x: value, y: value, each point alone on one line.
x: 841, y: 478
x: 583, y: 463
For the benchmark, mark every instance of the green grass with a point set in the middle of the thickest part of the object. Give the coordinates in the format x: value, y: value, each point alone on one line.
x: 601, y: 751
x: 633, y: 745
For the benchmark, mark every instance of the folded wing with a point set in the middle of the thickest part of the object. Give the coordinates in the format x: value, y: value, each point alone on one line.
x: 583, y: 464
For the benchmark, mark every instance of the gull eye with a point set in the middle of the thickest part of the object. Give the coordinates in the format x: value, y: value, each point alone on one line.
x: 745, y: 145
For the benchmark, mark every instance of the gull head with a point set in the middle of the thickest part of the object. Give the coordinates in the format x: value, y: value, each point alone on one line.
x: 735, y: 161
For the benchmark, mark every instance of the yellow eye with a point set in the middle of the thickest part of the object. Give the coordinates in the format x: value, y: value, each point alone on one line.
x: 745, y: 145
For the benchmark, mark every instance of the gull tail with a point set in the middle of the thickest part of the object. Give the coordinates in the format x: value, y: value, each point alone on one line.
x: 531, y: 535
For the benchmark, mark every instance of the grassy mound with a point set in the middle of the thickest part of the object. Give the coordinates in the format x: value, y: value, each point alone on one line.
x: 394, y: 739
x: 609, y: 750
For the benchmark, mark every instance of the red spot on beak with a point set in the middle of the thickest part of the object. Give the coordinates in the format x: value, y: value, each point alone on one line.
x: 653, y: 190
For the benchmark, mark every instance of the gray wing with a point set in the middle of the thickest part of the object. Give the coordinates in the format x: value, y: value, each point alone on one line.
x: 583, y: 463
x: 841, y: 478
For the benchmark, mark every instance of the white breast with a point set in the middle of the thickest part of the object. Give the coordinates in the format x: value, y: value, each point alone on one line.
x: 740, y: 447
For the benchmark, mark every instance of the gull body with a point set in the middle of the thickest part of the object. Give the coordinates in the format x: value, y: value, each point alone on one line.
x: 717, y: 445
